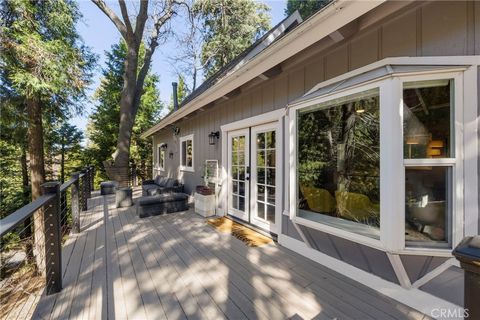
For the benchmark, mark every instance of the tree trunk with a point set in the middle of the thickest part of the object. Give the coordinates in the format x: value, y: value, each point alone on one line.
x: 27, y: 228
x: 128, y: 109
x: 37, y: 174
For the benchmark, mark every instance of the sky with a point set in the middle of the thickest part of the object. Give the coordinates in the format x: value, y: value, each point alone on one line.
x: 98, y: 32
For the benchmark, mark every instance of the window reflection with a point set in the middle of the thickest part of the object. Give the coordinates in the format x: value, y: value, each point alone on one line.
x: 427, y: 111
x: 427, y: 204
x: 339, y: 160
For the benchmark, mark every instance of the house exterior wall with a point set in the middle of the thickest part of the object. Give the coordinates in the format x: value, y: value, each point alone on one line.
x: 419, y: 29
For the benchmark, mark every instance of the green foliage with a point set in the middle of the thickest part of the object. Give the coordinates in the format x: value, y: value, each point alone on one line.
x: 103, y: 124
x: 230, y: 26
x: 305, y: 7
x: 43, y: 54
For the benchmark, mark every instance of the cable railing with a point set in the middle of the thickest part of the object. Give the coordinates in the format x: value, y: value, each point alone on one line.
x: 32, y: 239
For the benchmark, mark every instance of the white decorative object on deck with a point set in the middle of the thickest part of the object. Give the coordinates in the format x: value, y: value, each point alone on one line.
x: 205, y: 205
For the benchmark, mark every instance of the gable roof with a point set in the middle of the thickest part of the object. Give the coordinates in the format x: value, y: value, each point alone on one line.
x: 321, y: 24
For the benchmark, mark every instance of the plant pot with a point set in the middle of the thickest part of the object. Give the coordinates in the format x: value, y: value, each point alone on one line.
x: 204, y: 190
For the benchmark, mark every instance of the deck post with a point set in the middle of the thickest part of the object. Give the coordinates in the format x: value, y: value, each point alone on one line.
x: 84, y: 186
x: 53, y: 238
x: 92, y: 178
x: 468, y: 253
x: 75, y: 203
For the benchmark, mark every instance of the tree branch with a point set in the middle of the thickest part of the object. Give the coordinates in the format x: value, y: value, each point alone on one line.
x: 126, y: 19
x: 141, y: 20
x: 112, y: 16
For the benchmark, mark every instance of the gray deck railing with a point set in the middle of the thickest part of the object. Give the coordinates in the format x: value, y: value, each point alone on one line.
x: 31, y: 237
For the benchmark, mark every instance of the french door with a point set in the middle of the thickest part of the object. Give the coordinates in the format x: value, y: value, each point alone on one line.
x: 253, y: 167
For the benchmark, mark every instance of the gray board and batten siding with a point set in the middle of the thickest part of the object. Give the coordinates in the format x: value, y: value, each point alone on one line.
x: 417, y: 29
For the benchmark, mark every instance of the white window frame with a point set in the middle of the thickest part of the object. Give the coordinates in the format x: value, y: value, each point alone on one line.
x: 184, y: 139
x: 392, y: 163
x: 159, y: 154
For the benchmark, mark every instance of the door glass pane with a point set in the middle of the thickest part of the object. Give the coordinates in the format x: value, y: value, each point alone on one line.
x: 241, y: 173
x: 261, y: 210
x: 338, y: 163
x: 271, y: 158
x: 261, y: 158
x: 260, y: 140
x: 427, y: 117
x: 271, y: 176
x: 184, y: 153
x: 241, y: 143
x: 270, y: 137
x: 235, y: 186
x: 241, y: 188
x: 271, y: 213
x: 261, y: 175
x: 427, y: 206
x: 241, y: 203
x: 234, y: 158
x: 235, y: 201
x: 241, y: 158
x: 260, y: 192
x: 271, y: 195
x: 235, y: 172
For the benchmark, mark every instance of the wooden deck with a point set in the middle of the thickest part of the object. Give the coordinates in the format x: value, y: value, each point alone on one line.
x: 176, y: 266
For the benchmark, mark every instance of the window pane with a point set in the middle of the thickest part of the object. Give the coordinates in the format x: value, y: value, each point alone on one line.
x: 427, y: 115
x: 235, y: 186
x: 241, y: 187
x: 241, y: 203
x: 271, y: 177
x: 271, y: 213
x: 261, y: 175
x: 261, y: 158
x: 338, y: 166
x: 270, y: 139
x: 427, y: 218
x: 261, y: 210
x: 271, y: 158
x: 260, y: 192
x: 271, y: 195
x: 261, y: 140
x: 184, y: 153
x: 235, y: 202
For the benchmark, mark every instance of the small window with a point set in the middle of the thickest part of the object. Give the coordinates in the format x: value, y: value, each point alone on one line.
x: 338, y: 164
x: 186, y: 153
x: 161, y: 157
x: 429, y: 162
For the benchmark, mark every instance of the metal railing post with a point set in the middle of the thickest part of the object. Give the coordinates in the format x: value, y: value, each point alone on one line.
x: 92, y: 178
x: 84, y: 186
x: 53, y: 240
x: 88, y: 183
x: 75, y: 203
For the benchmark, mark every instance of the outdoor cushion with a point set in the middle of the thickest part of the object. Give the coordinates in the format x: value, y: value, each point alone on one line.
x: 108, y: 187
x: 169, y: 183
x: 163, y: 203
x: 158, y: 180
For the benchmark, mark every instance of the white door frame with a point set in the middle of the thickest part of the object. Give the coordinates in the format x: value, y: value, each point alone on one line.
x: 230, y: 210
x: 272, y: 116
x: 264, y: 224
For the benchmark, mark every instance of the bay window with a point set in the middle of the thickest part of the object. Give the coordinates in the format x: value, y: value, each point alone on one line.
x: 337, y: 183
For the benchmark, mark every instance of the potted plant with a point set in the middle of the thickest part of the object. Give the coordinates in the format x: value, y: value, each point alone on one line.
x: 205, y: 196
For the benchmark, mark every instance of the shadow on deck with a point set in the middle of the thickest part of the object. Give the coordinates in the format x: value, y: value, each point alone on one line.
x: 176, y: 266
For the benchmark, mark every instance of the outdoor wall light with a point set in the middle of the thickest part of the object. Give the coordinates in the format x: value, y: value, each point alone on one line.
x: 213, y: 136
x: 176, y: 130
x: 163, y: 146
x: 170, y: 155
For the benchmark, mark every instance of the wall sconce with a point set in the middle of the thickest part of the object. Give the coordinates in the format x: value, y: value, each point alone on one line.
x: 213, y: 136
x: 176, y: 130
x: 170, y: 155
x: 163, y: 146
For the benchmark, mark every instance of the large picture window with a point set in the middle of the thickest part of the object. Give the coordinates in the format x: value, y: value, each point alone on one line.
x: 186, y: 153
x: 338, y: 163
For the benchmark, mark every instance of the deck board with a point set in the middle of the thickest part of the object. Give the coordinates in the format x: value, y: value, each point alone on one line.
x: 177, y: 267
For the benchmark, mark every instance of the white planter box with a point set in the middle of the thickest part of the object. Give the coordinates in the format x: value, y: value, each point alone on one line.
x: 205, y: 205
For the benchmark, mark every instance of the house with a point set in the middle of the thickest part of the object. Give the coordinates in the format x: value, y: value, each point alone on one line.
x: 350, y: 137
